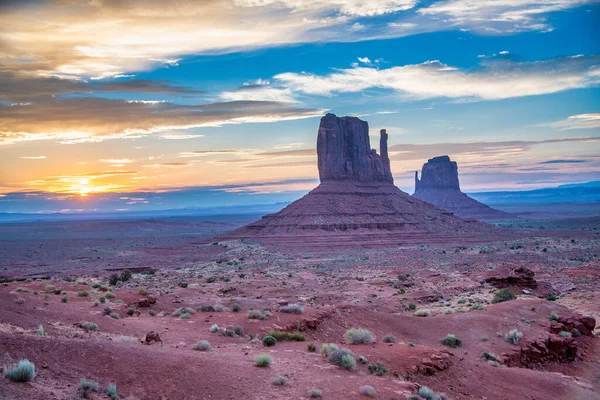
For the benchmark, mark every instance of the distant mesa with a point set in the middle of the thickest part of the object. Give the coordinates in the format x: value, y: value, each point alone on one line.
x: 439, y: 186
x: 356, y: 204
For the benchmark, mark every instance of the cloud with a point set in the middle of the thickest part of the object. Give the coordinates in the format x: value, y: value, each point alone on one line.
x: 179, y: 136
x: 117, y: 161
x: 493, y: 80
x: 495, y: 16
x: 361, y: 8
x: 33, y: 157
x: 285, y: 164
x: 76, y: 120
x: 580, y: 121
x: 563, y: 161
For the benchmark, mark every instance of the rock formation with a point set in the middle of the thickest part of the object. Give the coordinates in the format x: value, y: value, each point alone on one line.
x: 356, y: 203
x: 439, y: 186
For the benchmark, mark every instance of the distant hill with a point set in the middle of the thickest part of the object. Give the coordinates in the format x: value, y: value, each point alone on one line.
x: 588, y: 192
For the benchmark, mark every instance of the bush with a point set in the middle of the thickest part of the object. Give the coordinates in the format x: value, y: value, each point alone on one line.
x: 389, y: 339
x: 238, y: 330
x: 344, y: 358
x: 554, y: 316
x: 426, y: 393
x: 64, y: 299
x: 236, y: 307
x: 130, y: 311
x: 412, y: 306
x: 87, y: 386
x: 359, y: 336
x: 552, y: 298
x: 183, y: 284
x: 503, y: 295
x: 143, y: 292
x: 377, y: 369
x: 220, y: 308
x: 575, y: 332
x: 256, y: 314
x: 19, y: 300
x: 490, y: 356
x: 151, y: 313
x: 262, y: 360
x: 111, y: 391
x: 280, y: 380
x: 128, y: 340
x: 24, y: 371
x: 113, y: 279
x: 561, y: 334
x: 311, y: 347
x: 367, y: 390
x: 269, y: 341
x: 110, y: 295
x: 201, y: 345
x: 115, y: 315
x: 315, y: 393
x: 125, y: 275
x: 451, y: 341
x: 40, y: 331
x: 88, y: 326
x: 292, y: 309
x: 183, y: 312
x: 49, y: 289
x: 83, y: 293
x: 513, y: 337
x: 363, y: 360
x: 214, y: 328
x: 284, y: 335
x: 205, y: 309
x: 422, y: 313
x: 327, y: 349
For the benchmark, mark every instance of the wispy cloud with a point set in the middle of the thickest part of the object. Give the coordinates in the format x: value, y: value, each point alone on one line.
x: 494, y: 80
x: 33, y: 157
x: 580, y: 121
x: 563, y: 161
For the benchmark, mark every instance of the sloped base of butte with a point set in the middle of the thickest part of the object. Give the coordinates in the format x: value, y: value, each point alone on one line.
x: 357, y: 214
x: 460, y: 204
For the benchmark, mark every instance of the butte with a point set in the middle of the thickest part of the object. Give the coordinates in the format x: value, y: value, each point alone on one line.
x: 439, y: 186
x: 356, y: 204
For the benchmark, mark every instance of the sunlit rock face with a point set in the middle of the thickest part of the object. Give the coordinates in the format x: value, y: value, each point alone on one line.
x: 439, y: 186
x: 344, y: 151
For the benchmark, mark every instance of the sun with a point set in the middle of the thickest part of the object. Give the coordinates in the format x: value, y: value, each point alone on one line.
x: 84, y: 187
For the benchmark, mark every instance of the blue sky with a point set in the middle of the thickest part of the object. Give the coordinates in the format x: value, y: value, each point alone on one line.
x: 225, y: 96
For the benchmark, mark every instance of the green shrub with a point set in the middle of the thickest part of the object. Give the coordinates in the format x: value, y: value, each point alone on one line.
x: 86, y: 386
x: 426, y: 393
x: 552, y: 297
x: 292, y: 309
x: 236, y: 307
x: 561, y: 334
x: 111, y: 391
x: 20, y: 300
x: 451, y: 341
x: 40, y: 331
x: 214, y: 328
x: 359, y: 336
x: 344, y: 358
x: 110, y: 295
x: 128, y: 340
x: 269, y: 341
x: 367, y: 390
x: 125, y: 275
x: 389, y: 339
x: 422, y: 313
x: 284, y: 335
x: 143, y: 292
x: 490, y: 356
x: 24, y: 371
x: 49, y: 289
x: 183, y: 312
x: 363, y: 360
x: 513, y: 337
x: 238, y: 330
x: 130, y: 311
x: 281, y: 380
x: 88, y: 326
x: 183, y: 284
x: 83, y: 293
x: 115, y: 315
x: 256, y: 314
x: 202, y: 345
x: 412, y: 306
x: 151, y: 313
x: 315, y: 393
x: 503, y: 295
x: 377, y: 369
x: 311, y: 347
x: 554, y: 316
x: 575, y: 332
x: 348, y: 362
x: 113, y: 279
x: 262, y: 360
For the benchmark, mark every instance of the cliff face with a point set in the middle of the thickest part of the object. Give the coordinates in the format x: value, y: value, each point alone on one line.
x: 438, y: 173
x: 344, y: 152
x: 439, y: 186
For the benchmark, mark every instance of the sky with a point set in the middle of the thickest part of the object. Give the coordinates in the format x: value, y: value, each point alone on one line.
x: 126, y: 105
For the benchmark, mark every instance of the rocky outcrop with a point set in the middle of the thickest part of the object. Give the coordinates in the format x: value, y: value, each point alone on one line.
x: 439, y: 186
x: 344, y: 151
x: 513, y: 276
x: 356, y: 203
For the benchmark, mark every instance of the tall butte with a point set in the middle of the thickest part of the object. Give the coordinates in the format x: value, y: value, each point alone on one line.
x: 356, y: 204
x: 439, y: 186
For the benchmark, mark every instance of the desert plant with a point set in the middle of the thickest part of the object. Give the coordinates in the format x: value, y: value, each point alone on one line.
x: 143, y: 292
x: 564, y: 334
x: 130, y: 311
x: 269, y: 341
x: 206, y: 308
x: 83, y: 293
x: 19, y: 300
x: 451, y: 341
x: 64, y: 299
x: 183, y: 285
x: 344, y: 358
x: 201, y: 345
x: 422, y: 313
x: 363, y: 360
x: 490, y: 356
x: 315, y: 393
x: 426, y: 393
x: 367, y: 390
x: 575, y: 332
x: 125, y: 275
x: 86, y: 386
x: 503, y: 295
x: 49, y: 289
x: 389, y: 339
x: 292, y: 309
x: 552, y: 297
x: 214, y: 328
x: 377, y: 369
x: 554, y: 316
x: 257, y: 314
x: 284, y: 335
x: 311, y: 347
x: 412, y: 306
x: 88, y: 326
x: 111, y: 391
x: 513, y: 336
x: 220, y: 308
x: 238, y: 330
x: 359, y: 336
x: 115, y: 315
x: 236, y: 307
x: 151, y: 313
x: 262, y: 360
x: 110, y: 295
x: 128, y: 340
x: 281, y: 380
x: 113, y: 279
x: 182, y: 311
x: 40, y: 331
x: 24, y: 371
